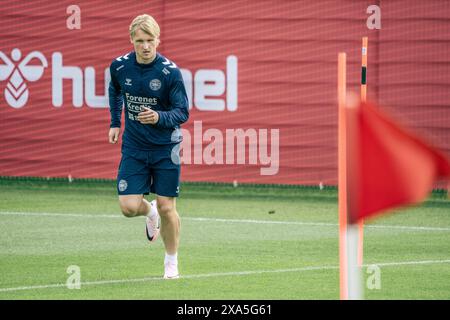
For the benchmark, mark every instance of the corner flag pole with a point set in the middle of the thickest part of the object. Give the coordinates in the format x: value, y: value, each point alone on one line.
x: 365, y: 41
x: 350, y: 278
x: 342, y: 175
x: 354, y: 275
x: 363, y: 99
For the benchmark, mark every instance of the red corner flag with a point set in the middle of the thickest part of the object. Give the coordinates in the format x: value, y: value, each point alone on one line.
x: 386, y: 165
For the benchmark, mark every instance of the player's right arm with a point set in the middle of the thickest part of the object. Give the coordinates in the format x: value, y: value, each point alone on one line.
x: 115, y: 106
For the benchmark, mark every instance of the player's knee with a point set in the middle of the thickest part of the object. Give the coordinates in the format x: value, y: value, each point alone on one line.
x: 129, y: 209
x: 128, y: 212
x: 165, y: 208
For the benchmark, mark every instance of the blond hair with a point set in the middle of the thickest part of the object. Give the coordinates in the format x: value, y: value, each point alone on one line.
x: 147, y: 24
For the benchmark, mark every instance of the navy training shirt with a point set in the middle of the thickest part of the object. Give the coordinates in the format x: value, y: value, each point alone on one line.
x: 158, y: 86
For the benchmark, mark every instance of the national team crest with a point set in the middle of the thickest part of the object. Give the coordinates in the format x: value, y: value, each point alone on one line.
x: 155, y: 84
x: 123, y: 185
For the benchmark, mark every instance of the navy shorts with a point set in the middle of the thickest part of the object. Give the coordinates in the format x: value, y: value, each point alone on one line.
x: 142, y: 172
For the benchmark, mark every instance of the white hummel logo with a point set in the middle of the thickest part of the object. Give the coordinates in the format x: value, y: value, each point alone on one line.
x: 125, y: 57
x: 128, y: 82
x: 169, y: 63
x: 16, y: 91
x: 165, y: 71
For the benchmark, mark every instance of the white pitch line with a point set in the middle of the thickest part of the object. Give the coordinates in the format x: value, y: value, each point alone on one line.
x: 220, y: 274
x: 55, y: 214
x: 319, y: 224
x: 405, y: 263
x: 261, y: 221
x: 315, y: 224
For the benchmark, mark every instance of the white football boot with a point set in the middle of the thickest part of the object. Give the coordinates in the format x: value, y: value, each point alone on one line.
x: 171, y: 271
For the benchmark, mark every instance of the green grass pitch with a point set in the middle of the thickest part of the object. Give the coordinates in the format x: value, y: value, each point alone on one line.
x: 247, y: 242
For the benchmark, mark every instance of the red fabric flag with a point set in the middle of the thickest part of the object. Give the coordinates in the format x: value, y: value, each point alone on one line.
x: 386, y: 165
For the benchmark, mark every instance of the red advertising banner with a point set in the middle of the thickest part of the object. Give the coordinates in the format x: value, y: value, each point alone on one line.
x: 260, y: 76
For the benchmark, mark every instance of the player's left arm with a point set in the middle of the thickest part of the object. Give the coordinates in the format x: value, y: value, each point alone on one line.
x: 178, y: 102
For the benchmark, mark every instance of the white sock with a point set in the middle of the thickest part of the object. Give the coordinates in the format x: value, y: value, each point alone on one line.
x: 151, y: 213
x: 171, y: 258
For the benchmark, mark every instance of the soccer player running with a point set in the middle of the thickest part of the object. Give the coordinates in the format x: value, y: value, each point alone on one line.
x: 152, y: 90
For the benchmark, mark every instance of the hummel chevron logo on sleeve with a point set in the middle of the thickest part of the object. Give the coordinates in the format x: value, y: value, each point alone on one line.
x: 125, y: 57
x: 169, y: 63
